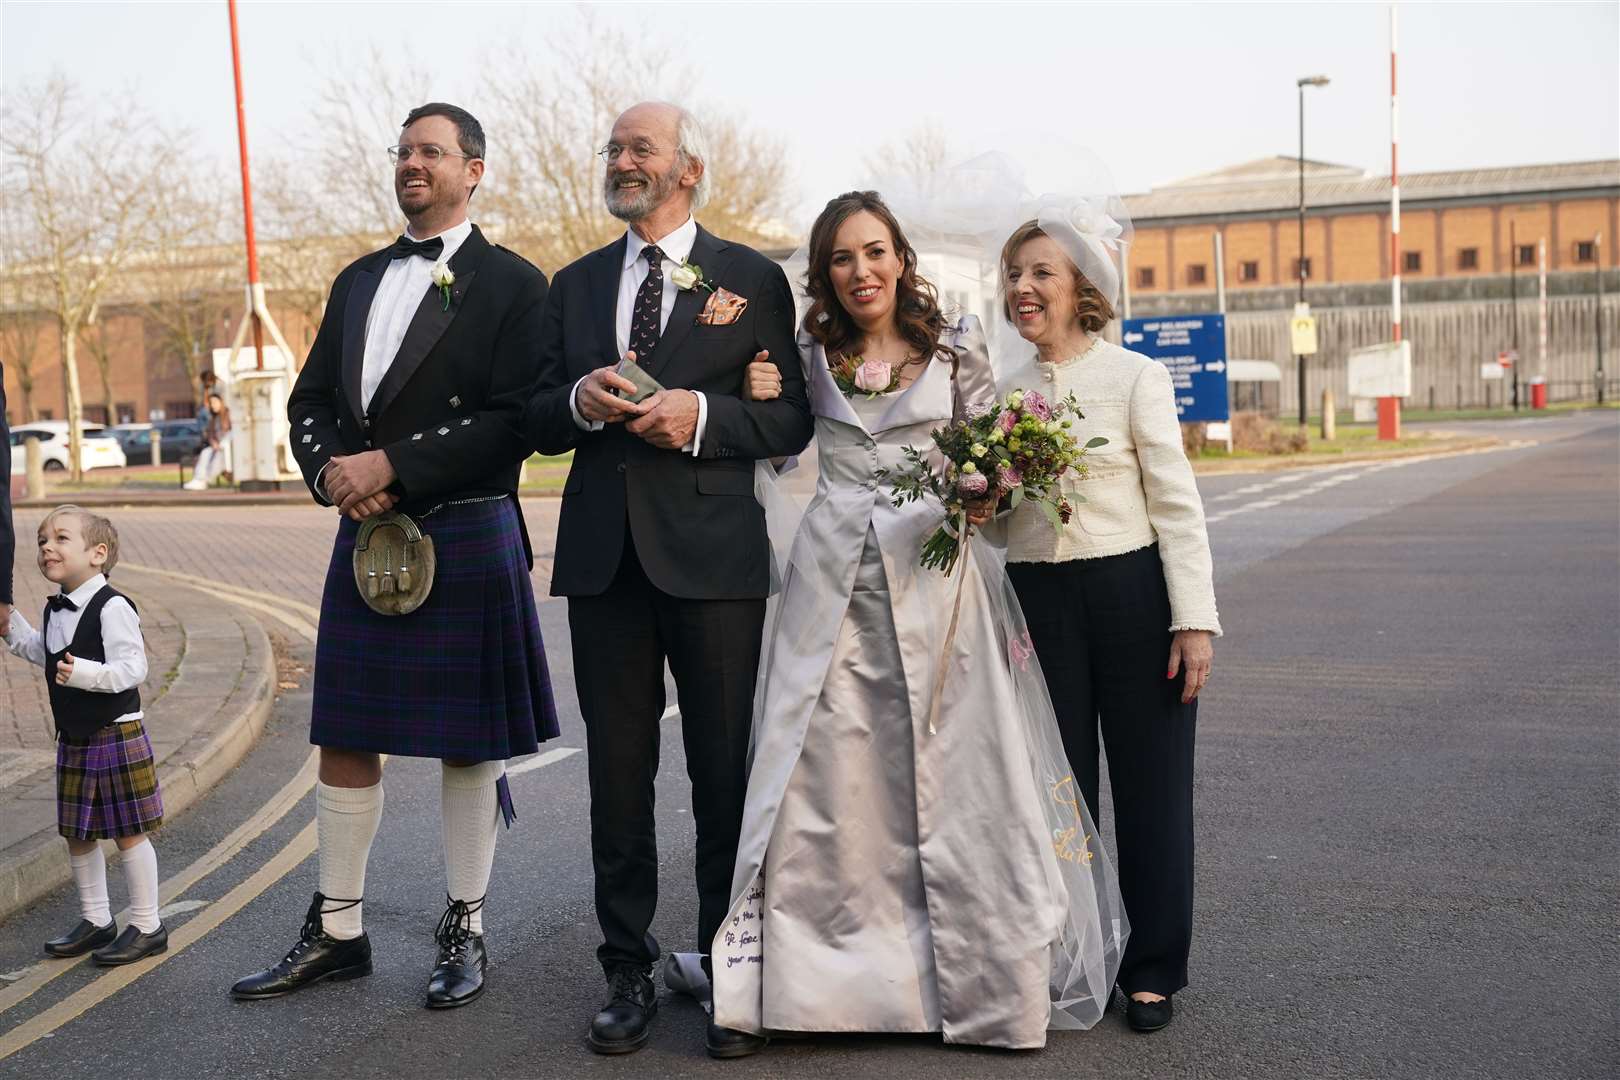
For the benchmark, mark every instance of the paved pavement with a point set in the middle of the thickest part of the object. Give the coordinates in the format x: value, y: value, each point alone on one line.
x: 1409, y: 822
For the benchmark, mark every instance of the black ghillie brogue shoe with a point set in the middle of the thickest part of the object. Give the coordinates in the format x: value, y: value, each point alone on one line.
x: 621, y: 1026
x: 132, y: 945
x: 81, y: 939
x: 458, y: 975
x: 315, y: 957
x: 1148, y: 1016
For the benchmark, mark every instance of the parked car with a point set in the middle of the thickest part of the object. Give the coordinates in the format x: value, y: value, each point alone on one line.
x: 181, y: 438
x: 131, y: 437
x: 99, y: 450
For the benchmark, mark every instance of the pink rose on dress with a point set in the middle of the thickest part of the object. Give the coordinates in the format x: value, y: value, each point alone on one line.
x: 1036, y: 406
x: 873, y: 376
x: 1007, y: 421
x: 972, y: 485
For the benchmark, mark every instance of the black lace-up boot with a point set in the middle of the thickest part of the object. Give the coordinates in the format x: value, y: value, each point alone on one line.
x: 621, y: 1026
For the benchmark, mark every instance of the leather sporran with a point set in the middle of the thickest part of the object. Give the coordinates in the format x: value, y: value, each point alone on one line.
x: 393, y: 564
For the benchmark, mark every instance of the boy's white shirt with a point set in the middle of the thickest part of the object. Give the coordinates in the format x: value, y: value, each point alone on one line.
x: 121, y: 642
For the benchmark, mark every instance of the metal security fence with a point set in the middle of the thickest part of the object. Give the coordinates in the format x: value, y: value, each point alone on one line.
x: 1450, y: 341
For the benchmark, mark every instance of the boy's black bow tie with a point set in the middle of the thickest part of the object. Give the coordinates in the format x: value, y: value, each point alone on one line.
x: 405, y: 247
x: 60, y: 601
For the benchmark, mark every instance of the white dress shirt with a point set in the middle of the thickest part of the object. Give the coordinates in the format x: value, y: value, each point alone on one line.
x: 677, y: 248
x: 398, y: 295
x: 121, y: 643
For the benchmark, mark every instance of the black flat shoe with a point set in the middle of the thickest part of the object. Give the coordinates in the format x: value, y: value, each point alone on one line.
x: 82, y: 938
x: 132, y: 945
x: 1148, y: 1015
x: 458, y: 976
x: 723, y: 1042
x: 316, y: 956
x: 621, y: 1026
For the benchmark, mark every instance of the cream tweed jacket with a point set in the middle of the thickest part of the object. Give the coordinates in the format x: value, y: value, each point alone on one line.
x: 1139, y: 488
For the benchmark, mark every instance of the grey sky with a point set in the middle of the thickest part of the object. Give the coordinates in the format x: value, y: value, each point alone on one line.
x: 1159, y: 91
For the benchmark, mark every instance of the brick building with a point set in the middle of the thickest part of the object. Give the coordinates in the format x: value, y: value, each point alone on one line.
x: 1454, y: 225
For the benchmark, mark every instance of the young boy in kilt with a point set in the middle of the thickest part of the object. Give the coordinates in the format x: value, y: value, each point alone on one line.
x: 90, y: 646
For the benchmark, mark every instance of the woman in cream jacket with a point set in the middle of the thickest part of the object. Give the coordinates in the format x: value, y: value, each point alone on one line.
x: 1120, y: 601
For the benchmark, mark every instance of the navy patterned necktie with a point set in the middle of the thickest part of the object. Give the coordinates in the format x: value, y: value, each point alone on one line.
x: 646, y: 318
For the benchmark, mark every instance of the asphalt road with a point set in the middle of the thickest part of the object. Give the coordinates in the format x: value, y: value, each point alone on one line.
x: 1409, y: 823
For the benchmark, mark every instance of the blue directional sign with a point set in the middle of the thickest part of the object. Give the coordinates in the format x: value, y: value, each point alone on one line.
x: 1193, y: 347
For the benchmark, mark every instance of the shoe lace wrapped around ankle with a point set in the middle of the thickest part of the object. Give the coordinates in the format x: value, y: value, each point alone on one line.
x: 313, y: 930
x: 454, y: 932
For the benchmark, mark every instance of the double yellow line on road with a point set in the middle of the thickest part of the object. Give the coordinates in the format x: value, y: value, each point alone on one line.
x: 292, y: 614
x: 302, y: 619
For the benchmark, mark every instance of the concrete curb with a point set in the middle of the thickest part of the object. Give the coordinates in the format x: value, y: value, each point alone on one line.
x: 1282, y: 462
x: 189, y: 767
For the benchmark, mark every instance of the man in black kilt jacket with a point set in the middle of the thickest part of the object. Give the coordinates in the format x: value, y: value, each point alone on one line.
x: 411, y: 401
x: 661, y: 546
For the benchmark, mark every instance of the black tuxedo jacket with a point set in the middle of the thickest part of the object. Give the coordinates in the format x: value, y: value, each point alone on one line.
x: 697, y: 528
x: 449, y: 413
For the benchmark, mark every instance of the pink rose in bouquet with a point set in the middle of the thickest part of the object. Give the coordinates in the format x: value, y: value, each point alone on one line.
x: 1036, y: 406
x: 972, y: 485
x: 873, y: 376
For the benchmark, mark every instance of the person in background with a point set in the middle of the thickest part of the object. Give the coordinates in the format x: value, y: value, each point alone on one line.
x: 210, y: 385
x: 211, y: 458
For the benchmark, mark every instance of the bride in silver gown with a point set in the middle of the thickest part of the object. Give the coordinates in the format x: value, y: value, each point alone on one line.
x: 914, y: 855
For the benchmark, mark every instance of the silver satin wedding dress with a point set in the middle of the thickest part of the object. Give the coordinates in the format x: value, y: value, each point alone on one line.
x: 911, y: 859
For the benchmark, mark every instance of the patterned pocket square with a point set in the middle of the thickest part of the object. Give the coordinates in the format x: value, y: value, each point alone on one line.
x: 724, y: 308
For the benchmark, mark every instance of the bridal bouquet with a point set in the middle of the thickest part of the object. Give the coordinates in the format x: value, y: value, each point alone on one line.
x: 1013, y: 450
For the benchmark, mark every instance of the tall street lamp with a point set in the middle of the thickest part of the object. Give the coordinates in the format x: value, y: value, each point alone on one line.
x: 1309, y: 80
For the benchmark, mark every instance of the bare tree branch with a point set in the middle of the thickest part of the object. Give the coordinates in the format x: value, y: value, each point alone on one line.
x: 84, y: 210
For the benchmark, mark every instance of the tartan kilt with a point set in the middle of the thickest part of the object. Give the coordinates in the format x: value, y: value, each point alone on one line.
x: 107, y: 784
x: 462, y: 677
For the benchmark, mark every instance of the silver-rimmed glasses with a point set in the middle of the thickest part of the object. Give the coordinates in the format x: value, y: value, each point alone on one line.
x: 428, y: 153
x: 639, y: 152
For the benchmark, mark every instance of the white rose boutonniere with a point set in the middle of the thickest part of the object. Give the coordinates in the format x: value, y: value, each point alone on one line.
x: 443, y: 277
x: 688, y: 276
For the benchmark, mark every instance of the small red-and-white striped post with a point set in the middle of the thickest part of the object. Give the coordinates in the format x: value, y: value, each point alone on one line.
x: 1389, y: 408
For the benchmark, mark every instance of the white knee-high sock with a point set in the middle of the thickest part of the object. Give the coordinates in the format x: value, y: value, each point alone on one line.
x: 141, y: 875
x: 346, y: 821
x: 471, y: 818
x: 90, y: 875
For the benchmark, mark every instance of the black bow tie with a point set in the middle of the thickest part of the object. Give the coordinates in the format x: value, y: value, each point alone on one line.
x: 405, y: 247
x: 60, y: 601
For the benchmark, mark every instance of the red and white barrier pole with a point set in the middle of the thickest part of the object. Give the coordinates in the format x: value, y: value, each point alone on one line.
x: 1538, y: 383
x: 1389, y: 408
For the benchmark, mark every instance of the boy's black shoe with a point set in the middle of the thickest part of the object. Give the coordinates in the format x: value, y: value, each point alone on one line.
x: 82, y: 938
x: 132, y: 945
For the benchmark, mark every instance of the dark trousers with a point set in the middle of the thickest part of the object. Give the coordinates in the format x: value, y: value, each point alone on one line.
x: 1099, y: 629
x: 621, y: 641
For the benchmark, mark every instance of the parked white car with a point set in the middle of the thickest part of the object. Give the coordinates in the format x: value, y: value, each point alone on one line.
x: 99, y: 451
